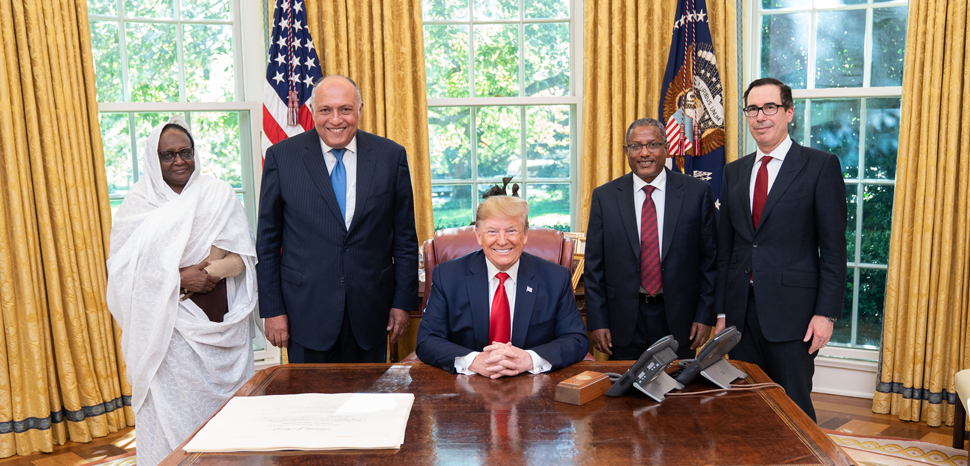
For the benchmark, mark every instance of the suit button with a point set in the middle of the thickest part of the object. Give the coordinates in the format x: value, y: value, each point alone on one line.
x: 346, y: 249
x: 747, y: 271
x: 341, y: 279
x: 754, y: 245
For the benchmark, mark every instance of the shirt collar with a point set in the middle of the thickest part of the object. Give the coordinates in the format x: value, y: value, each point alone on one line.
x: 660, y: 182
x: 513, y: 271
x: 351, y: 146
x: 779, y: 153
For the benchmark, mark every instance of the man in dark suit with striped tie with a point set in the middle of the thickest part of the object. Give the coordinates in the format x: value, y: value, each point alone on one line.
x: 651, y: 245
x: 336, y: 240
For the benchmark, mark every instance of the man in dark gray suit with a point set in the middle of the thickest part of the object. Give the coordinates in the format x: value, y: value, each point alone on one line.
x: 650, y: 258
x: 781, y: 259
x: 336, y: 240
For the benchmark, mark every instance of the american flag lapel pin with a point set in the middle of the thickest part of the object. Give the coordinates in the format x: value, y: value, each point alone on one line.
x: 528, y: 289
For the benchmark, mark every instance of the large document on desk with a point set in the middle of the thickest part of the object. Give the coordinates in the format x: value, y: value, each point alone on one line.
x: 309, y: 421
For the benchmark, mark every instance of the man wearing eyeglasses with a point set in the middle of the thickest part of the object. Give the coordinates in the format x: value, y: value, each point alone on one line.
x: 781, y: 246
x: 650, y: 253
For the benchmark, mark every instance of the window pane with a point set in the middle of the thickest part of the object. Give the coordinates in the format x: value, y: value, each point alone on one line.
x: 205, y: 9
x: 452, y: 205
x: 150, y: 9
x: 449, y: 137
x: 496, y: 61
x: 840, y: 49
x: 444, y: 9
x: 549, y: 205
x: 872, y: 301
x: 888, y: 45
x: 773, y: 4
x: 784, y: 48
x: 851, y: 197
x: 835, y: 3
x: 446, y: 60
x: 217, y: 143
x: 144, y: 124
x: 796, y: 129
x: 496, y: 9
x: 547, y: 139
x: 152, y: 62
x: 547, y: 59
x: 882, y: 137
x: 107, y: 60
x: 207, y: 52
x: 877, y: 219
x: 102, y: 7
x: 498, y: 142
x: 835, y: 129
x: 117, y: 151
x: 546, y: 8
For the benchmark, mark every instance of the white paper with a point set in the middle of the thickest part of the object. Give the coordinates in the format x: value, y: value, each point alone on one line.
x: 309, y: 421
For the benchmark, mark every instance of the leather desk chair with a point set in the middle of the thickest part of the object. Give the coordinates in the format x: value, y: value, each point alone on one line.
x: 960, y: 411
x: 452, y: 243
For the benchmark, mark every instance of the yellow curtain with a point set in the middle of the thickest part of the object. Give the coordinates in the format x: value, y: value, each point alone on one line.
x: 61, y: 374
x: 380, y: 45
x: 926, y: 327
x: 626, y: 43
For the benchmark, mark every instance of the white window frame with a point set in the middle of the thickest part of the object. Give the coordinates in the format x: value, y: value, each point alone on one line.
x: 574, y: 101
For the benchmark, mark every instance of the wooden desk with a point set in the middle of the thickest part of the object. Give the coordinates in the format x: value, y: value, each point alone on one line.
x: 474, y: 420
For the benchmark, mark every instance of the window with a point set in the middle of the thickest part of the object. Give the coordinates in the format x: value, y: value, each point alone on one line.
x: 504, y: 90
x: 158, y: 58
x: 844, y: 61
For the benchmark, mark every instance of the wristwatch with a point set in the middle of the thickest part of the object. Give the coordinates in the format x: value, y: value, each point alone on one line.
x: 832, y: 319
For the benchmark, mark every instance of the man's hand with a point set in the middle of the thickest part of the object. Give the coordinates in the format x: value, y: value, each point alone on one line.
x: 277, y: 330
x: 478, y: 365
x: 397, y: 323
x: 602, y: 340
x: 699, y: 334
x: 194, y: 279
x: 719, y: 326
x: 505, y: 360
x: 819, y: 332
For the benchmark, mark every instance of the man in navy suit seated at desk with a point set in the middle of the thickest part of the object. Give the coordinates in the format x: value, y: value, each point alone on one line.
x: 499, y: 311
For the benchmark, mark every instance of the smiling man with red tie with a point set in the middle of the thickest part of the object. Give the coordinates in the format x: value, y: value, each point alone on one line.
x: 781, y: 246
x: 500, y: 311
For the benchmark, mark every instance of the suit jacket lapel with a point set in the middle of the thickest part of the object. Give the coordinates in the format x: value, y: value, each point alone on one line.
x: 525, y: 300
x: 624, y: 202
x: 744, y: 183
x: 476, y: 282
x: 673, y: 199
x: 789, y: 168
x: 317, y: 167
x: 365, y: 158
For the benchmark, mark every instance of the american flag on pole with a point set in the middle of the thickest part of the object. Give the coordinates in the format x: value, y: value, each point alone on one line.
x: 290, y: 74
x: 692, y: 100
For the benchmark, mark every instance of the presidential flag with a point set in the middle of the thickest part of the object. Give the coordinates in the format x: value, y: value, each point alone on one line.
x: 692, y: 102
x: 290, y: 74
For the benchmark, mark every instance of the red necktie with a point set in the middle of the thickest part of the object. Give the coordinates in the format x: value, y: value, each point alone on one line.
x: 500, y: 325
x: 649, y: 245
x: 760, y: 191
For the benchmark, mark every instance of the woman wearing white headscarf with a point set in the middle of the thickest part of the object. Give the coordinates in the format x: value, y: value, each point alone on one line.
x: 180, y: 240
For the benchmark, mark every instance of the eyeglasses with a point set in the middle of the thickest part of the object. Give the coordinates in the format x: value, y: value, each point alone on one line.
x: 650, y: 146
x: 169, y: 155
x: 768, y: 109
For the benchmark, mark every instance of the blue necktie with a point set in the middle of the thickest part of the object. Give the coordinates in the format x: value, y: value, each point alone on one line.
x: 338, y: 178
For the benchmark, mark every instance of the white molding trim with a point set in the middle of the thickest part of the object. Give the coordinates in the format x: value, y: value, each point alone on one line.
x: 846, y: 372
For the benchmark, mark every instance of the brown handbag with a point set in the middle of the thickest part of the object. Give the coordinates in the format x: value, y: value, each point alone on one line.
x: 215, y: 303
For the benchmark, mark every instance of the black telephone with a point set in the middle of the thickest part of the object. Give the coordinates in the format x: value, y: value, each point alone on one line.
x: 647, y: 374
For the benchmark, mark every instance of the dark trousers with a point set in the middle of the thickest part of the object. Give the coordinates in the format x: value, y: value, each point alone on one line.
x: 344, y: 350
x: 651, y: 326
x: 787, y: 362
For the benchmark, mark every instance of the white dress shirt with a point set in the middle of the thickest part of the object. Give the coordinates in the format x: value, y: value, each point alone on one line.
x: 659, y: 196
x: 462, y: 363
x: 777, y: 157
x: 350, y: 164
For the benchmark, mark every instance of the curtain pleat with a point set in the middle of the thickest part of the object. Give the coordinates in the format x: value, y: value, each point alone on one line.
x: 626, y: 43
x: 380, y: 45
x: 61, y: 376
x: 926, y: 327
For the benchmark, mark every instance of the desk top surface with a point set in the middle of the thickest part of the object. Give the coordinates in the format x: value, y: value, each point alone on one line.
x: 474, y: 420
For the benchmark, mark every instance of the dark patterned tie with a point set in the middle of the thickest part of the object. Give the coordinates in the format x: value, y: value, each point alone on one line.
x: 760, y: 191
x: 500, y: 324
x: 649, y: 245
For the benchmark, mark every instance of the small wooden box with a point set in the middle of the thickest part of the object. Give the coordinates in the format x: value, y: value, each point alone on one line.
x: 582, y: 388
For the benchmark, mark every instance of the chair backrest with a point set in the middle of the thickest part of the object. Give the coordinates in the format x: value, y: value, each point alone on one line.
x: 452, y: 243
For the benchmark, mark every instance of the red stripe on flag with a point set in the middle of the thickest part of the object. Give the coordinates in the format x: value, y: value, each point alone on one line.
x: 272, y: 129
x: 306, y: 117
